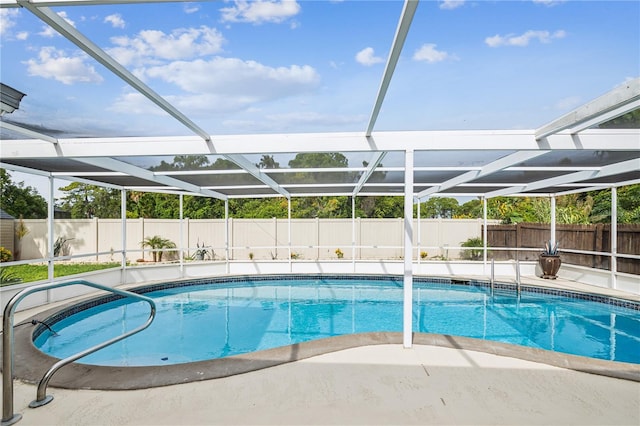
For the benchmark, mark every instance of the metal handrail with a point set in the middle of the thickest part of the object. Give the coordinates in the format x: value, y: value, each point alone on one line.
x: 493, y: 275
x: 8, y: 417
x: 518, y: 280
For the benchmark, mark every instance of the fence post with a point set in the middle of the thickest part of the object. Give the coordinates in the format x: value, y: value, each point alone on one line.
x: 274, y: 254
x: 97, y: 234
x: 141, y: 233
x: 317, y: 238
x: 518, y: 240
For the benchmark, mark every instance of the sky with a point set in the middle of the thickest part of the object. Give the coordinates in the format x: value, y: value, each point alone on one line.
x: 240, y: 67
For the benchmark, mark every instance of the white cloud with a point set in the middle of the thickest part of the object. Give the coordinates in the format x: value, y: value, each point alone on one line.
x: 428, y: 52
x: 568, y: 103
x: 53, y: 64
x: 190, y: 8
x: 7, y: 19
x: 549, y: 2
x: 306, y: 118
x: 451, y: 4
x: 260, y: 11
x: 286, y: 121
x: 249, y: 81
x: 49, y: 32
x: 22, y: 35
x: 151, y: 46
x: 367, y: 57
x: 222, y: 85
x: 135, y: 103
x: 115, y: 20
x: 523, y: 39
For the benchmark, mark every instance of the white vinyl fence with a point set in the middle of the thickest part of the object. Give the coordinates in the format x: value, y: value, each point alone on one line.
x: 100, y: 240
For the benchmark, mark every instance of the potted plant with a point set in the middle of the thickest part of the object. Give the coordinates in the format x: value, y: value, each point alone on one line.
x: 550, y: 260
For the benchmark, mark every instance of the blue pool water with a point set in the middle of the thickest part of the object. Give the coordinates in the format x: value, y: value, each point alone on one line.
x: 200, y: 322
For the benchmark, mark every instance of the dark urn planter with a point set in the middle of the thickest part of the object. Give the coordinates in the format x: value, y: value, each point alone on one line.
x: 550, y: 264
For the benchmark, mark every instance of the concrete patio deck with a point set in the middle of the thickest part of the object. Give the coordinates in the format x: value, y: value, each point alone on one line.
x: 382, y: 384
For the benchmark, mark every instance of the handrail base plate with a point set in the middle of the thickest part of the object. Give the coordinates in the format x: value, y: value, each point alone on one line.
x: 35, y: 403
x: 12, y: 420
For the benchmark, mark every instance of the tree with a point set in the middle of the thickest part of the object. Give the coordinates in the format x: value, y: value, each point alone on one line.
x: 439, y: 207
x: 19, y: 200
x: 203, y: 207
x: 183, y: 162
x: 629, y: 204
x: 85, y: 201
x: 574, y: 209
x: 380, y: 207
x: 268, y: 162
x: 322, y: 207
x: 472, y: 209
x: 319, y: 159
x: 259, y: 208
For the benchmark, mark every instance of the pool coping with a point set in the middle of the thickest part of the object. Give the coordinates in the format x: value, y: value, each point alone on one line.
x: 30, y: 364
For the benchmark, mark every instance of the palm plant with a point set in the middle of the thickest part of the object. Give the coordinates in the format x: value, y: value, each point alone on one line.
x: 157, y: 244
x: 473, y: 253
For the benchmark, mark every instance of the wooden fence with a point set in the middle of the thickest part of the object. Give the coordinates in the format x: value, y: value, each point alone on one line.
x: 577, y: 237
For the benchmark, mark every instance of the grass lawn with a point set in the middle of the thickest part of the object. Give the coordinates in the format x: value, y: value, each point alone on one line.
x: 29, y: 273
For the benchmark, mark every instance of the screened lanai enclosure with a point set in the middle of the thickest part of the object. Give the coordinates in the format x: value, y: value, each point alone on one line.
x: 594, y: 146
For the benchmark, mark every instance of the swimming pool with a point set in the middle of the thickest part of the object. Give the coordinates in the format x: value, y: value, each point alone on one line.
x: 206, y: 319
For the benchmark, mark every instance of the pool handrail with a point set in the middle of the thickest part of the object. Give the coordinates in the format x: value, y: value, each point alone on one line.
x: 8, y: 417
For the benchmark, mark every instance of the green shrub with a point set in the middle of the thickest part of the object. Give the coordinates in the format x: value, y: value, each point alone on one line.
x: 472, y: 254
x: 5, y: 254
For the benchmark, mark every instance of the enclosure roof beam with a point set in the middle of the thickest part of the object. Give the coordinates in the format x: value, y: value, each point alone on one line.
x: 500, y: 164
x: 258, y: 174
x: 27, y: 132
x: 408, y: 11
x: 609, y: 170
x: 24, y: 169
x: 599, y: 187
x: 510, y: 140
x: 621, y: 100
x: 603, y: 118
x: 367, y: 174
x: 131, y: 170
x: 56, y: 3
x: 89, y: 182
x: 76, y: 37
